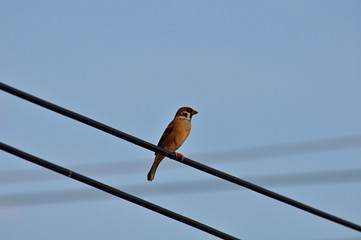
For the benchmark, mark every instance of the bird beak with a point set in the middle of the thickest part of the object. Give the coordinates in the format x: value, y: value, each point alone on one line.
x: 194, y: 112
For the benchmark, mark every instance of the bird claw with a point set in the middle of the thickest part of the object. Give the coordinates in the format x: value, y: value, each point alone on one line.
x: 179, y: 155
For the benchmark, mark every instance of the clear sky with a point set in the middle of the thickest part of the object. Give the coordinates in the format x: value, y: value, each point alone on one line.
x: 260, y: 73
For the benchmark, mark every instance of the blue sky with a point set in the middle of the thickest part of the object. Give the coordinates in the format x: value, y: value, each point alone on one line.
x: 260, y: 73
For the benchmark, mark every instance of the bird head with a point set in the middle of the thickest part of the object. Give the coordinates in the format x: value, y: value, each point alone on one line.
x: 186, y: 112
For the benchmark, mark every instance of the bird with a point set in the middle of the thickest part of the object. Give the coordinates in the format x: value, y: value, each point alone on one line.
x: 173, y: 137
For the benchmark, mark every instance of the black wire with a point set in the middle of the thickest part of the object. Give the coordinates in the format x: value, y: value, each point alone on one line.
x: 114, y: 191
x: 171, y: 155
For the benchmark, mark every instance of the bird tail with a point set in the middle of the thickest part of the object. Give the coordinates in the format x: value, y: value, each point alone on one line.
x: 153, y: 169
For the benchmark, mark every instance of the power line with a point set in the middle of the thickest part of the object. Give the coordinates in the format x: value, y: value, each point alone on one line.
x: 187, y: 161
x: 179, y: 187
x: 123, y: 167
x: 293, y: 148
x: 114, y: 191
x: 252, y: 153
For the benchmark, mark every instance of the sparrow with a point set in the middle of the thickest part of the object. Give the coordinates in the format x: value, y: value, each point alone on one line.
x: 174, y: 136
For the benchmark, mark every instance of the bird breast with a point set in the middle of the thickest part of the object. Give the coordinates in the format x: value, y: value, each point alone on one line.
x: 182, y: 128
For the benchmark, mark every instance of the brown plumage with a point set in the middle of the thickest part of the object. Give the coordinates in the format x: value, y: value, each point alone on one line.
x: 174, y: 136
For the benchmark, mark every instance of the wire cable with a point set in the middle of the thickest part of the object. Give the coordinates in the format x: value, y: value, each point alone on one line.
x: 178, y: 188
x: 252, y: 153
x: 129, y: 167
x: 113, y: 191
x: 171, y: 155
x: 288, y: 149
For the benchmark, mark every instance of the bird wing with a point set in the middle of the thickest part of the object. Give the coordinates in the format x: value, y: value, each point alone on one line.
x: 166, y: 133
